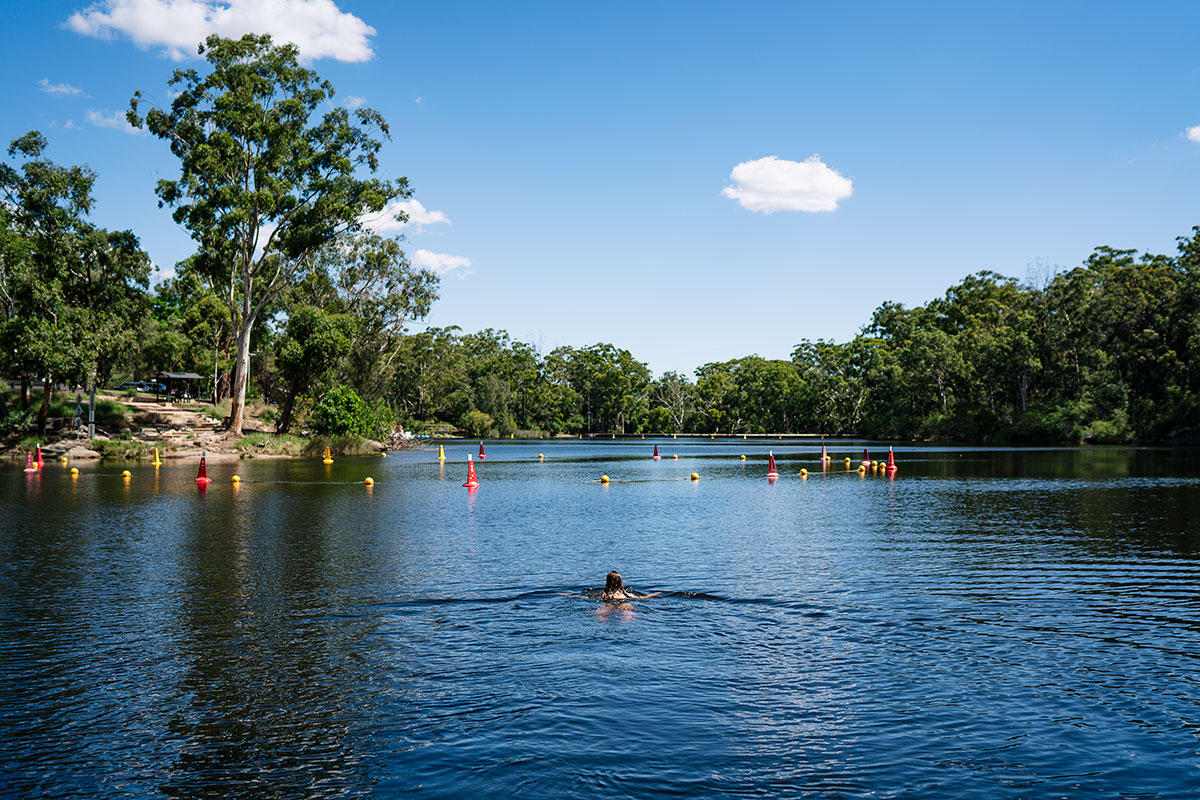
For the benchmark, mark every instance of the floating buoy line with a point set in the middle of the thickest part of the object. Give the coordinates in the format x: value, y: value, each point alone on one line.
x: 35, y: 465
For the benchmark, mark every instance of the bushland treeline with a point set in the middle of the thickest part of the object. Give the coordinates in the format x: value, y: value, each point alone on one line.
x: 1106, y: 352
x: 290, y: 298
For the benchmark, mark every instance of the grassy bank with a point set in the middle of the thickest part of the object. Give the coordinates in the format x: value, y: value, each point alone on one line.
x: 270, y: 444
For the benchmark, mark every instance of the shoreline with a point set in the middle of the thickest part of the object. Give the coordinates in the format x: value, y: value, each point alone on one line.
x: 179, y: 433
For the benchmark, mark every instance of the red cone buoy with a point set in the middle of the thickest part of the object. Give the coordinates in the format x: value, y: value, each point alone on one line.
x: 202, y: 478
x: 40, y: 463
x: 481, y: 453
x: 656, y: 455
x: 472, y: 481
x: 891, y: 465
x: 30, y: 465
x: 866, y: 462
x: 771, y: 471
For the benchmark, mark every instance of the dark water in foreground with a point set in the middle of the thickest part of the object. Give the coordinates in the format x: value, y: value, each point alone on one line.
x: 991, y: 624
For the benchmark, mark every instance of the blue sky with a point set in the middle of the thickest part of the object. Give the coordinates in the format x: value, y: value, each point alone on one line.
x: 693, y: 182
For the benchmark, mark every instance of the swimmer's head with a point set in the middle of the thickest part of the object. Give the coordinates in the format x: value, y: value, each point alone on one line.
x: 613, y: 584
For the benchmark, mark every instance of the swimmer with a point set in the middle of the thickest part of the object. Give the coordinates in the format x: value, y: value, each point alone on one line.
x: 615, y: 590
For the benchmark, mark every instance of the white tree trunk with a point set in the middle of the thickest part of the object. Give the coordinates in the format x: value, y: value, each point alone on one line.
x: 241, y: 373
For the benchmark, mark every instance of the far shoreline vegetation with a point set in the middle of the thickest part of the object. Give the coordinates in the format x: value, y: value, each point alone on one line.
x: 292, y: 306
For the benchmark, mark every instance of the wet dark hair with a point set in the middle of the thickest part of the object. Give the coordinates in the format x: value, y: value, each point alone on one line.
x: 613, y: 584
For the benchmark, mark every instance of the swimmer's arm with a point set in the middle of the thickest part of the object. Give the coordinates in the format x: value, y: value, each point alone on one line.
x: 645, y: 596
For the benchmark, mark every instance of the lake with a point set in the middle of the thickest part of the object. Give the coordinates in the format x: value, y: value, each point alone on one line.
x: 991, y: 623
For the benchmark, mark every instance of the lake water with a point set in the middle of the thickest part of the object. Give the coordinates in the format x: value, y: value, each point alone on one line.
x: 989, y: 624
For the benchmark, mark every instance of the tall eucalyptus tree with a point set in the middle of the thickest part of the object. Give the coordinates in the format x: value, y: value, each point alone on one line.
x: 269, y: 173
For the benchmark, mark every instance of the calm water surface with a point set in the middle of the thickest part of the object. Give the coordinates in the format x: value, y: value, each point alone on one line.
x: 990, y: 624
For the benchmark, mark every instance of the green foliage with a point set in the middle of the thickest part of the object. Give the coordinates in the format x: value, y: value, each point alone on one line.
x: 477, y: 424
x: 109, y: 412
x: 73, y: 292
x: 17, y: 420
x: 347, y: 445
x: 341, y: 412
x: 367, y: 279
x: 272, y: 444
x: 121, y: 449
x: 313, y: 343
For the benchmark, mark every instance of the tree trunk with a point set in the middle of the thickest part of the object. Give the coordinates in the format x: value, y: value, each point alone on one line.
x: 241, y: 372
x: 285, y: 416
x: 44, y: 411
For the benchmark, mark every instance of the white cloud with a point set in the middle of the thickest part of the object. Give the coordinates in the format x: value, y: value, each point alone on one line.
x: 64, y: 89
x: 158, y: 274
x: 354, y: 101
x: 111, y: 119
x: 1193, y: 133
x: 317, y: 27
x: 385, y: 223
x: 770, y: 184
x: 442, y: 263
x: 70, y: 125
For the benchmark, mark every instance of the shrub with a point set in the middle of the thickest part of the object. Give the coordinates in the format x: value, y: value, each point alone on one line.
x: 341, y: 446
x: 342, y: 412
x: 108, y: 412
x: 477, y: 424
x: 16, y: 420
x: 121, y: 448
x: 272, y: 444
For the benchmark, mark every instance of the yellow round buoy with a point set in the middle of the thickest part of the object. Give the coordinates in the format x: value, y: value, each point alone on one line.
x: 675, y: 457
x: 369, y: 481
x: 126, y: 474
x: 803, y: 473
x: 383, y: 454
x: 847, y: 459
x: 862, y: 470
x: 63, y: 459
x: 74, y: 471
x: 540, y: 456
x: 743, y: 458
x: 604, y: 479
x: 695, y: 476
x: 236, y: 479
